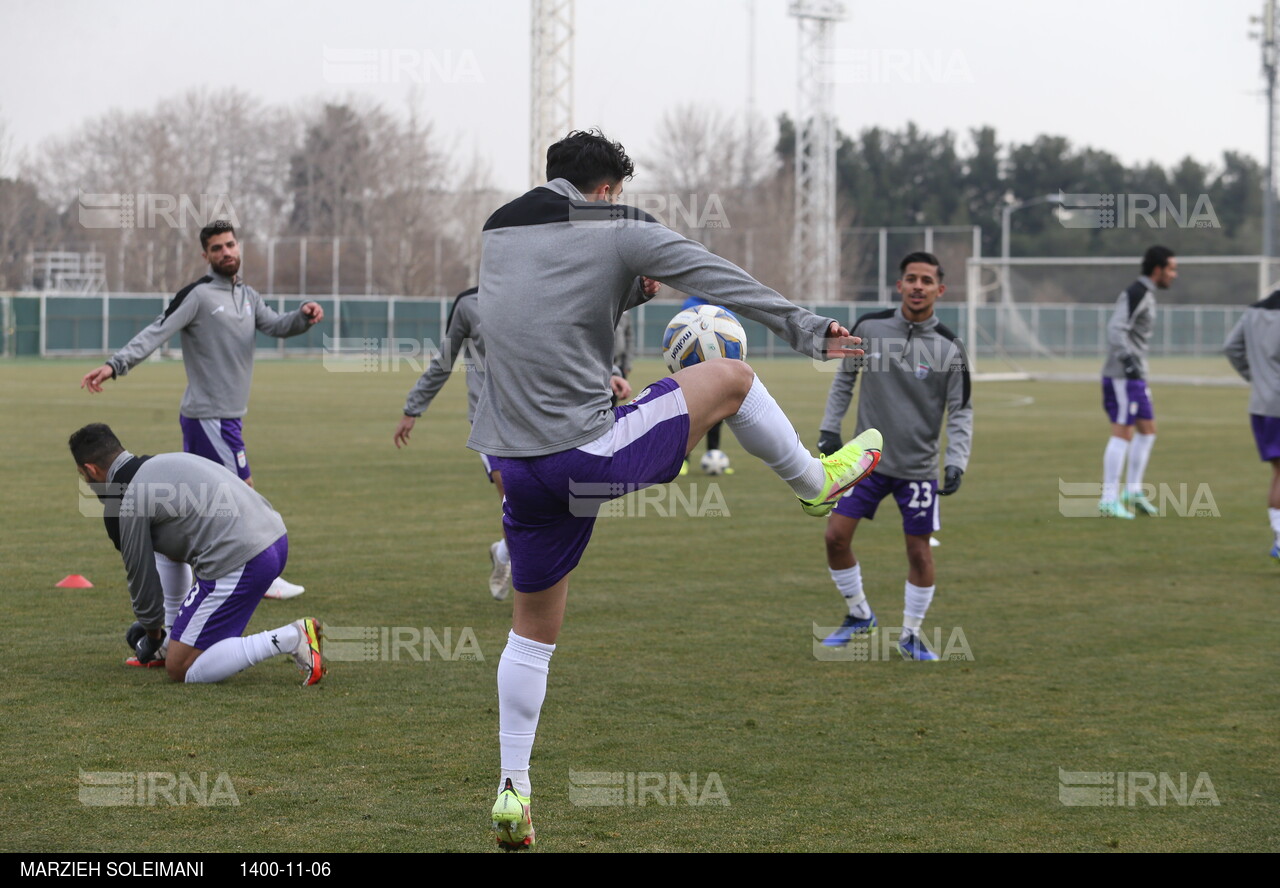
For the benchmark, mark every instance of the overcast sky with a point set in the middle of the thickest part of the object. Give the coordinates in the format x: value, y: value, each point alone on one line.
x: 1144, y: 79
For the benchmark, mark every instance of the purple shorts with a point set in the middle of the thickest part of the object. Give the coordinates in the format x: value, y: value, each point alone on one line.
x: 1266, y: 432
x: 917, y: 501
x: 489, y: 467
x: 218, y: 440
x: 551, y: 501
x: 1126, y: 400
x: 220, y: 608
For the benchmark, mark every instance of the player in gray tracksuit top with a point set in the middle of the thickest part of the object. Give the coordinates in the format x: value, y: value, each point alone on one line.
x: 1253, y: 348
x: 194, y: 511
x: 462, y: 342
x: 915, y: 370
x: 1126, y: 398
x: 217, y: 318
x: 559, y: 267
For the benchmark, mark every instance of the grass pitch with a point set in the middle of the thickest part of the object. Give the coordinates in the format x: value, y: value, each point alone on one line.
x: 686, y: 672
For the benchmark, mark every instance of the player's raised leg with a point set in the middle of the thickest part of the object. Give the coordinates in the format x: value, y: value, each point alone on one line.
x: 730, y: 391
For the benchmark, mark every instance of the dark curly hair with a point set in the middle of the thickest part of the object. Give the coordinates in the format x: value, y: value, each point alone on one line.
x: 588, y: 159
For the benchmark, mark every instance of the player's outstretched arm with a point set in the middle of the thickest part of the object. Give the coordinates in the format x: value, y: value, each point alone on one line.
x: 650, y: 249
x: 94, y: 379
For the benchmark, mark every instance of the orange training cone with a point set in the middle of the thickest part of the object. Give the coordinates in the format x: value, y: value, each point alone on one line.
x: 74, y: 581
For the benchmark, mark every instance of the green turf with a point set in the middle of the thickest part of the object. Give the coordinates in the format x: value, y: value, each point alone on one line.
x: 1145, y: 646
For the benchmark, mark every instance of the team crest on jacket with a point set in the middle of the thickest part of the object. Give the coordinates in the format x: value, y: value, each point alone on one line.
x: 922, y: 370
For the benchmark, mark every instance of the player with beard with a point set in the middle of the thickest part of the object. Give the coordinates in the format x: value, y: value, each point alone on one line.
x: 217, y: 317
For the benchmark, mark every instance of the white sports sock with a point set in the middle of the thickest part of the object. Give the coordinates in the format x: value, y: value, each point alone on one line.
x: 501, y: 552
x: 849, y: 582
x: 522, y: 686
x: 175, y: 580
x: 1139, y: 453
x: 917, y: 600
x: 1274, y: 515
x: 232, y: 655
x: 764, y: 431
x: 1112, y: 464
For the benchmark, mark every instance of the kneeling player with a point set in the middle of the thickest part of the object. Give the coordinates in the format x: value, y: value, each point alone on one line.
x: 194, y: 511
x: 916, y: 372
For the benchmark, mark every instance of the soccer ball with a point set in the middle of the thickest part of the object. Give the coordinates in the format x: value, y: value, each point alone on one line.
x: 699, y: 334
x: 714, y: 462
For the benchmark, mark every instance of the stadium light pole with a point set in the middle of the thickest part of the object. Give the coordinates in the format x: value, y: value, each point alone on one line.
x: 1007, y: 211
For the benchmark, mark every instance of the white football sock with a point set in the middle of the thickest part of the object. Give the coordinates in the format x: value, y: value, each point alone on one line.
x: 764, y: 431
x: 501, y: 552
x: 1112, y: 465
x: 917, y: 600
x: 849, y: 582
x: 175, y: 580
x: 1274, y: 515
x: 232, y: 655
x: 522, y: 686
x: 1139, y: 453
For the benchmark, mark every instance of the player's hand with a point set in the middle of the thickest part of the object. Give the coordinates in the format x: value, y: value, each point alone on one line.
x: 620, y: 387
x: 828, y: 442
x: 403, y: 430
x: 649, y: 286
x: 951, y: 480
x: 313, y: 313
x: 1132, y: 370
x: 94, y: 379
x: 840, y: 344
x: 147, y: 647
x: 134, y: 634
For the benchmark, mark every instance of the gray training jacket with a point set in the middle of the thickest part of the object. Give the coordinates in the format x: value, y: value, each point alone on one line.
x: 462, y: 340
x: 1253, y: 348
x: 556, y: 274
x: 911, y: 374
x: 192, y: 510
x: 217, y: 317
x: 1130, y: 327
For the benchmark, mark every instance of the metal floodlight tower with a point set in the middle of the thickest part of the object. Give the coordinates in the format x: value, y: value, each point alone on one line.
x: 551, y: 102
x: 815, y: 245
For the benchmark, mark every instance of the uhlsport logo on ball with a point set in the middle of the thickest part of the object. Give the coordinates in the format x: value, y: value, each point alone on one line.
x: 700, y: 334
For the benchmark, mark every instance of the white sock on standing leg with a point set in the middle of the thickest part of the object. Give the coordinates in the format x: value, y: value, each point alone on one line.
x: 522, y: 686
x: 1112, y: 466
x: 1139, y: 453
x: 915, y: 606
x: 849, y: 582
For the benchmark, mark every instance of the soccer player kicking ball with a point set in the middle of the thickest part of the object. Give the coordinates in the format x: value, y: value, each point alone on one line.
x: 217, y: 317
x: 1125, y: 395
x: 196, y: 512
x: 559, y: 267
x: 1253, y: 348
x: 916, y: 371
